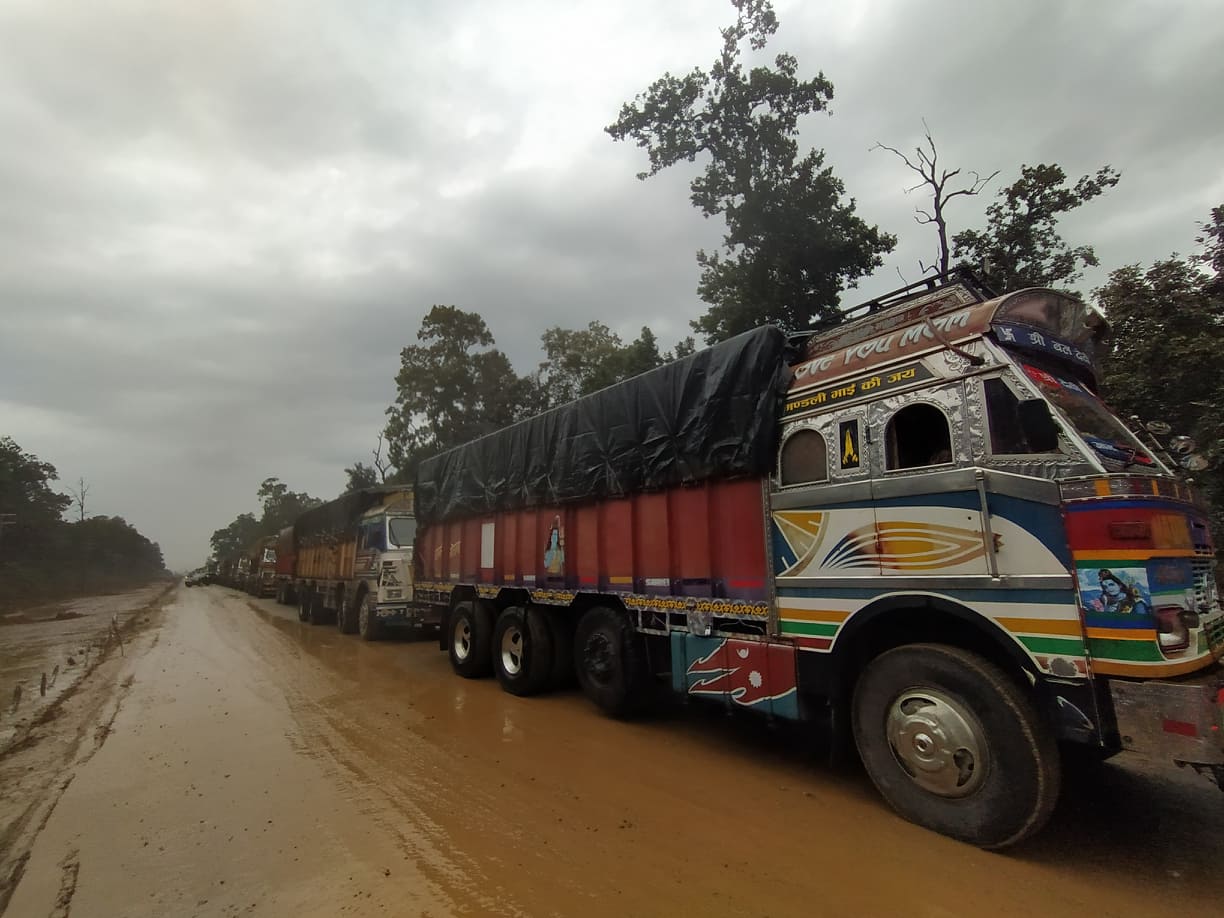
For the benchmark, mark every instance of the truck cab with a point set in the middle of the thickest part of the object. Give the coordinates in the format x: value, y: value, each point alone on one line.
x: 383, y: 562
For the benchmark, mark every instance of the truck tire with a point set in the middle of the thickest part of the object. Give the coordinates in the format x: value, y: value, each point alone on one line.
x: 346, y: 615
x: 610, y: 660
x: 303, y: 605
x: 561, y: 627
x: 953, y: 744
x: 471, y: 637
x: 318, y: 614
x: 367, y: 623
x: 522, y: 651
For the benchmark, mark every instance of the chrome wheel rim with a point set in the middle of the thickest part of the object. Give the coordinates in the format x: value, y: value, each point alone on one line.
x: 461, y: 640
x: 363, y: 614
x: 512, y: 650
x: 938, y: 741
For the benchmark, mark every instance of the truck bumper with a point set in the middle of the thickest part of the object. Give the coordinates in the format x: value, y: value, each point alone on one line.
x: 1180, y: 719
x: 405, y: 616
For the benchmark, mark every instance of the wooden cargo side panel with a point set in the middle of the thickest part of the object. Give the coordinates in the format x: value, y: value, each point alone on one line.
x: 652, y: 550
x: 737, y: 537
x: 507, y: 562
x: 615, y: 541
x: 690, y: 543
x: 582, y: 547
x: 699, y: 541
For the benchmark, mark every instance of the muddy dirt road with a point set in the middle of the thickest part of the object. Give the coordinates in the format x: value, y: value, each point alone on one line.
x: 255, y: 765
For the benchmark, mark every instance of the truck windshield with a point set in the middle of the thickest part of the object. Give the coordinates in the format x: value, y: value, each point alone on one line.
x: 1099, y: 427
x: 401, y: 530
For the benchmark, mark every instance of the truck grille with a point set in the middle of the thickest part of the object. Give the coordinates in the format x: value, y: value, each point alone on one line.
x: 1204, y: 586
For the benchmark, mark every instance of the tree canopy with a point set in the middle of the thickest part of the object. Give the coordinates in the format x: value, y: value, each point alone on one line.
x: 1021, y: 245
x: 792, y: 242
x: 42, y: 556
x: 585, y: 360
x: 278, y: 508
x: 451, y: 388
x: 26, y: 494
x: 1168, y: 332
x: 360, y: 475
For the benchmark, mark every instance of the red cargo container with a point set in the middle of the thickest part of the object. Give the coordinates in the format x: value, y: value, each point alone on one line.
x: 707, y: 541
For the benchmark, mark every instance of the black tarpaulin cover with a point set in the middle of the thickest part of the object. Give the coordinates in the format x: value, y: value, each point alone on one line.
x: 338, y: 516
x: 710, y: 415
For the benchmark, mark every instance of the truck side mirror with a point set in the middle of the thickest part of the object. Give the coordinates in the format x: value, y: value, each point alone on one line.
x: 1037, y: 425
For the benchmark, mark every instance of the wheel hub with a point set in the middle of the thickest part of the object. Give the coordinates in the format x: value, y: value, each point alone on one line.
x: 512, y: 651
x: 938, y: 741
x: 599, y: 658
x: 462, y: 639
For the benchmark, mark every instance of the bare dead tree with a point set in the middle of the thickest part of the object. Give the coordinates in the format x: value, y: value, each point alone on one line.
x: 382, y: 465
x: 925, y: 163
x: 79, y: 493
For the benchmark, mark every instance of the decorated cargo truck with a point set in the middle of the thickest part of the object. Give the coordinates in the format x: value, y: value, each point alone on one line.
x: 352, y: 563
x: 923, y: 527
x: 260, y: 577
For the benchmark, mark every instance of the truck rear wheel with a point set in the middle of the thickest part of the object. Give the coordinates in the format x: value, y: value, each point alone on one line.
x: 303, y: 605
x: 471, y: 635
x: 610, y: 660
x: 368, y: 625
x: 318, y: 614
x: 522, y: 651
x: 953, y: 744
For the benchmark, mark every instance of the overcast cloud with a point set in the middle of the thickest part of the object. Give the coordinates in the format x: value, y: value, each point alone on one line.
x: 222, y: 220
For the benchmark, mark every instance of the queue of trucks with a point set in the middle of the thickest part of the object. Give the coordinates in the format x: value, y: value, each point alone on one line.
x: 922, y: 529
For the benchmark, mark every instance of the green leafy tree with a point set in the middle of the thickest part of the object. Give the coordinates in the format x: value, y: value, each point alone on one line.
x: 280, y: 505
x: 236, y: 537
x: 581, y: 361
x: 1021, y: 245
x: 359, y: 475
x: 792, y: 243
x: 1168, y: 333
x: 111, y: 546
x: 451, y: 388
x: 26, y: 494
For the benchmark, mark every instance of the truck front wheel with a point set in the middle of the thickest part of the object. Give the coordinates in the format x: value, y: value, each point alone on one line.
x: 346, y: 615
x: 471, y: 634
x: 368, y: 625
x: 522, y: 651
x: 610, y: 660
x: 953, y: 744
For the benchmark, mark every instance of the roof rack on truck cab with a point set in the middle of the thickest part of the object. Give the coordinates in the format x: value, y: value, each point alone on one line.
x: 929, y: 296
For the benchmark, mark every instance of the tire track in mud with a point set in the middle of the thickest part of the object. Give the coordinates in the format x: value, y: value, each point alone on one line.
x: 71, y: 867
x: 41, y: 761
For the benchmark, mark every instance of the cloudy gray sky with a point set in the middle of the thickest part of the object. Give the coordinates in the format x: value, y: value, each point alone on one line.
x: 219, y: 222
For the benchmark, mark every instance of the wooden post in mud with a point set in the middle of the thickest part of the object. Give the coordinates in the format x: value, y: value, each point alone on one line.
x: 42, y: 686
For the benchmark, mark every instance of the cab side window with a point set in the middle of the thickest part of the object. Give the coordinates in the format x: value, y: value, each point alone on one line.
x: 917, y: 436
x: 372, y: 536
x: 1003, y: 418
x: 804, y: 458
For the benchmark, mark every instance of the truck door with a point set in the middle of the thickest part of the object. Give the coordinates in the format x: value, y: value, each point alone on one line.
x: 370, y: 541
x: 821, y: 514
x: 927, y: 504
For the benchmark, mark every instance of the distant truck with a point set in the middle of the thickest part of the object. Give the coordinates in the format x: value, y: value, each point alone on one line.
x: 260, y: 575
x: 922, y: 527
x: 352, y: 563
